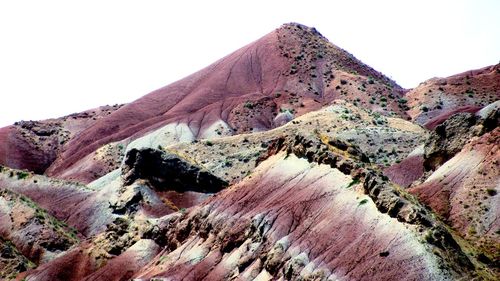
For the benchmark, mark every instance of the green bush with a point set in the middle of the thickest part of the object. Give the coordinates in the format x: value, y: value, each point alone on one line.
x: 353, y: 182
x: 22, y: 175
x: 248, y: 105
x: 491, y: 192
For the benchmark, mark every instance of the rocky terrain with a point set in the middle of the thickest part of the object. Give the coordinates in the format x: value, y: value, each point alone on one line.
x: 288, y: 159
x: 35, y: 145
x: 436, y: 99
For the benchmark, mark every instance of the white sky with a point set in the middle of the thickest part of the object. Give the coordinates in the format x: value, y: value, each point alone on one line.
x: 60, y: 57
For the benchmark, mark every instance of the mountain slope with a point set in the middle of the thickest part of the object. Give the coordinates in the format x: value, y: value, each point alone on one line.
x: 434, y: 100
x: 34, y: 145
x: 289, y: 215
x: 292, y: 70
x: 278, y: 221
x: 286, y: 160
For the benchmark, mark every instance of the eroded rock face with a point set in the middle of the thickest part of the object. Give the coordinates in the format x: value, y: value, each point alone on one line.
x: 451, y: 136
x: 35, y: 234
x: 455, y: 173
x: 12, y: 261
x: 34, y: 145
x: 277, y: 222
x: 168, y: 171
x: 267, y: 212
x: 436, y: 99
x: 312, y: 208
x: 444, y: 142
x: 293, y: 219
x: 464, y: 189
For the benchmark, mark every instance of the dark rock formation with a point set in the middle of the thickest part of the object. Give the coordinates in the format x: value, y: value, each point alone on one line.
x: 167, y: 171
x: 11, y: 261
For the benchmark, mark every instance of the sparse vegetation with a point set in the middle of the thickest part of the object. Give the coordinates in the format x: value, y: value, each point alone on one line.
x: 491, y: 192
x: 353, y: 182
x: 384, y: 254
x: 249, y: 105
x: 365, y: 147
x: 290, y: 110
x: 364, y: 201
x: 22, y: 175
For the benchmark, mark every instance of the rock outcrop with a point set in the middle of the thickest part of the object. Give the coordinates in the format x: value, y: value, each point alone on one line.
x: 463, y: 190
x: 449, y: 138
x: 12, y: 261
x: 168, y: 171
x: 286, y: 160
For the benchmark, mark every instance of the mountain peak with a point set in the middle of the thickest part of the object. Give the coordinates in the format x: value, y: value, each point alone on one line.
x: 293, y: 69
x: 298, y: 26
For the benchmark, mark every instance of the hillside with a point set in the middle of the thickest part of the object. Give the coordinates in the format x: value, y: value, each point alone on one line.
x: 436, y: 99
x: 288, y: 159
x: 292, y: 70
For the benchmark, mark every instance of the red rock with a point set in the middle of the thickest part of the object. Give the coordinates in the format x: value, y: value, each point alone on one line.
x: 34, y: 145
x: 438, y: 98
x: 462, y: 192
x: 246, y: 90
x: 406, y: 172
x: 289, y: 219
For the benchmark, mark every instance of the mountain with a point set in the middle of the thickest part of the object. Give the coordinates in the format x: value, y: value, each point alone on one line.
x: 292, y: 70
x: 288, y: 159
x: 34, y: 145
x: 436, y: 99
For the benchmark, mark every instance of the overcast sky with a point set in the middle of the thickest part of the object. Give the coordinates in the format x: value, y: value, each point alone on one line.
x: 60, y: 57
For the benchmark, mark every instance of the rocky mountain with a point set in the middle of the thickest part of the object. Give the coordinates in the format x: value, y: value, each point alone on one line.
x: 291, y: 71
x: 288, y: 159
x: 436, y: 99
